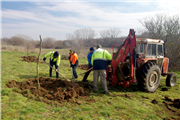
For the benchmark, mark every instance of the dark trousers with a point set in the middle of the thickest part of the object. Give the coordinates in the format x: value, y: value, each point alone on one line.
x: 74, y: 71
x: 87, y: 73
x: 50, y: 70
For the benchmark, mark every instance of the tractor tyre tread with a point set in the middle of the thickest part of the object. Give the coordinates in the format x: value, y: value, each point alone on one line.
x: 143, y: 75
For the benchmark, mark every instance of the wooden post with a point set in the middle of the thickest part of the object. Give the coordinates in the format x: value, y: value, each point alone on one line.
x: 38, y: 62
x: 28, y: 49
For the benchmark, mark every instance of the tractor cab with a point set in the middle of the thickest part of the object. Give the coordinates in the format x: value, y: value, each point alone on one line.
x: 151, y: 50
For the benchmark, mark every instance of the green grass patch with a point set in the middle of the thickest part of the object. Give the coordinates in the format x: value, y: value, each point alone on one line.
x: 122, y: 103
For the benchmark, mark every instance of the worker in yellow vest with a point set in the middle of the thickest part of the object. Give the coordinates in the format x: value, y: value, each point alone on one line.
x: 99, y: 60
x: 54, y: 60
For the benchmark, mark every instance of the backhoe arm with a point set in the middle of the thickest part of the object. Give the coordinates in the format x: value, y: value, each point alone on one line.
x: 128, y: 46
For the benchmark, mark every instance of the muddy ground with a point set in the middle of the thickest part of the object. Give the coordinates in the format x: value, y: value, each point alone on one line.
x: 57, y: 91
x: 84, y: 67
x: 175, y: 103
x: 64, y: 57
x: 30, y: 58
x: 35, y: 59
x: 53, y: 91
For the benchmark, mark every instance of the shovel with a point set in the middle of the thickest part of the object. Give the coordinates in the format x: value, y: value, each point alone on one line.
x: 87, y: 71
x: 57, y: 71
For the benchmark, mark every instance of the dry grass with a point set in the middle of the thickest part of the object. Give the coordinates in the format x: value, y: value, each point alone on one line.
x: 18, y: 48
x: 83, y: 52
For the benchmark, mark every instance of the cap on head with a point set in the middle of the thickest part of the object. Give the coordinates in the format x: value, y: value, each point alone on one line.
x: 99, y: 46
x: 56, y: 53
x: 71, y: 51
x: 91, y: 49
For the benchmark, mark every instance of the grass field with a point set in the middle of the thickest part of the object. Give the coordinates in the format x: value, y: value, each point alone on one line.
x: 122, y: 103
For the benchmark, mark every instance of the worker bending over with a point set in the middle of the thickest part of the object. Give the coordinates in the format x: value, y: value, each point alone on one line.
x: 54, y: 60
x: 99, y: 62
x: 74, y: 63
x: 89, y: 56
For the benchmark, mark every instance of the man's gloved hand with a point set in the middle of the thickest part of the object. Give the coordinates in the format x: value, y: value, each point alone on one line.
x: 71, y: 65
x: 56, y: 68
x: 108, y: 62
x: 90, y: 65
x: 44, y: 59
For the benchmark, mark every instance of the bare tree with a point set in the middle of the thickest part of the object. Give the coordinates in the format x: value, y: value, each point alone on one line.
x: 110, y: 33
x: 69, y: 36
x: 172, y: 28
x: 162, y: 26
x: 84, y: 34
x: 80, y: 38
x: 105, y: 34
x: 142, y: 33
x: 115, y: 32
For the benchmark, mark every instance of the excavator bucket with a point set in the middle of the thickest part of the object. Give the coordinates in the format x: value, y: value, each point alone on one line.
x: 122, y: 71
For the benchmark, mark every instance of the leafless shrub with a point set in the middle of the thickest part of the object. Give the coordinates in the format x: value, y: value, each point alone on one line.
x: 15, y: 40
x: 48, y: 42
x: 67, y: 44
x: 58, y: 44
x: 173, y: 53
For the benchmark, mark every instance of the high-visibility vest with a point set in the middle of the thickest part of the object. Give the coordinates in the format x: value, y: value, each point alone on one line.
x: 74, y: 59
x: 52, y: 59
x: 99, y: 59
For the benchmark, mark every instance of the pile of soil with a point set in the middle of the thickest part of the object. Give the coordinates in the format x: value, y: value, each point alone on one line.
x: 164, y: 89
x: 30, y: 58
x: 53, y: 90
x: 64, y: 57
x: 175, y: 102
x: 154, y: 101
x: 84, y: 67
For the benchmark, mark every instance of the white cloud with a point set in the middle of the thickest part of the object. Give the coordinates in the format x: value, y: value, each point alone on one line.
x: 168, y: 5
x: 40, y: 20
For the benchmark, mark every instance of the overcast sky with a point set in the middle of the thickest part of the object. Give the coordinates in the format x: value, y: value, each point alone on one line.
x: 52, y: 18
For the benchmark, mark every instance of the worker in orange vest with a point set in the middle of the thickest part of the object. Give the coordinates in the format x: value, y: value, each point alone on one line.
x: 74, y: 63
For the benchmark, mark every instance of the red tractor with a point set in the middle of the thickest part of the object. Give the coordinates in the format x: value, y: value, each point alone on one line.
x: 140, y: 60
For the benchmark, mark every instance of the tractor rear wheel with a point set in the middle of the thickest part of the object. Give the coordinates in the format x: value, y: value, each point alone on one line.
x: 171, y: 80
x: 149, y: 77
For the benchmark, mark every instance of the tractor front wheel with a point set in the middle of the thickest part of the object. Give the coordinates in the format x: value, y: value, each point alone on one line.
x: 171, y: 80
x: 149, y: 77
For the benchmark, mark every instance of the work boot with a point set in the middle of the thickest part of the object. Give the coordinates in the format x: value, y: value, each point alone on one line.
x: 94, y: 91
x: 106, y: 92
x: 84, y: 80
